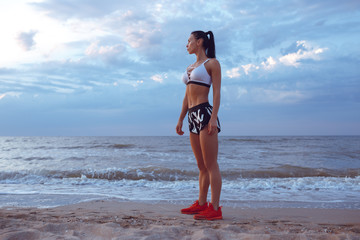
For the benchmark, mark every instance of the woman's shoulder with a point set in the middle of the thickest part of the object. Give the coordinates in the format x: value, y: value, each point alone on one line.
x: 213, y: 62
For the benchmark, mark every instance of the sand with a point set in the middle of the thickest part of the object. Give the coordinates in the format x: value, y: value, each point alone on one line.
x: 129, y: 220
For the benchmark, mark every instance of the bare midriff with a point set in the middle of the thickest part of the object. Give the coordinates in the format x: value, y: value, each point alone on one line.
x: 196, y: 94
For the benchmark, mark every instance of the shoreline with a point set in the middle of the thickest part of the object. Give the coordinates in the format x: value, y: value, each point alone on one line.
x: 57, y: 200
x: 109, y: 219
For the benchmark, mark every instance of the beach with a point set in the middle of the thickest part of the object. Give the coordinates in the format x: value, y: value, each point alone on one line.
x: 278, y: 187
x: 108, y: 219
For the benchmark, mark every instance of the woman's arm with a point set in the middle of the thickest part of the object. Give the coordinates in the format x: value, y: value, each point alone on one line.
x: 216, y: 83
x: 184, y: 110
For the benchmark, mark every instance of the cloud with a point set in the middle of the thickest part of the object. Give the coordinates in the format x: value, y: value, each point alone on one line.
x: 10, y: 94
x: 95, y: 50
x: 137, y: 83
x: 296, y: 54
x: 159, y: 77
x: 104, y: 55
x: 78, y: 9
x: 113, y: 54
x: 52, y: 77
x: 26, y: 40
x: 249, y: 67
x: 279, y: 96
x: 305, y: 51
x: 271, y: 94
x: 233, y: 73
x: 241, y: 92
x: 269, y: 63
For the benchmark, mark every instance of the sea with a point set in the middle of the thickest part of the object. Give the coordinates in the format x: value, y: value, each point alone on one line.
x: 257, y: 172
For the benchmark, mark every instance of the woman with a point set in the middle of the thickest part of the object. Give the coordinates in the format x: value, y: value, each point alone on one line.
x: 204, y: 124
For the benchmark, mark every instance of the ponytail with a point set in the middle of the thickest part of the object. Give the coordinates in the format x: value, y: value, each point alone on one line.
x: 208, y: 43
x: 211, y: 45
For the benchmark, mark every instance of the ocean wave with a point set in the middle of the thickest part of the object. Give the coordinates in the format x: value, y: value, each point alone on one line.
x: 101, y: 146
x: 310, y: 189
x: 150, y: 174
x: 271, y: 139
x: 121, y: 146
x: 253, y: 140
x: 38, y: 158
x: 76, y: 147
x: 168, y: 174
x: 289, y: 171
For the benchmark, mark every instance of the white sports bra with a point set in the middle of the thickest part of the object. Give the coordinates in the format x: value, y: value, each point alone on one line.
x: 198, y: 75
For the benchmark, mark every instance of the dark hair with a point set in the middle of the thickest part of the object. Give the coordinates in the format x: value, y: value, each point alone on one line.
x: 208, y: 43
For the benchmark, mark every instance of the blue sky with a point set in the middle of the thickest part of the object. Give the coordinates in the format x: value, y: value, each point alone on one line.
x: 112, y: 67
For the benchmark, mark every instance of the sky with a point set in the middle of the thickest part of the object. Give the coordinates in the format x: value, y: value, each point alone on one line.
x: 114, y: 67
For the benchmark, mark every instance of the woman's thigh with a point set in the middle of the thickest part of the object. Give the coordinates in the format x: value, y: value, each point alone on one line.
x: 196, y: 147
x: 209, y: 148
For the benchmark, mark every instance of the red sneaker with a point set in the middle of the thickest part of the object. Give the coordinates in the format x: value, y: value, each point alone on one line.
x: 194, y: 208
x: 209, y: 214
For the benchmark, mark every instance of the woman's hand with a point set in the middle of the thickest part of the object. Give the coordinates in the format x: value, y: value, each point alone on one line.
x: 212, y: 126
x: 178, y: 129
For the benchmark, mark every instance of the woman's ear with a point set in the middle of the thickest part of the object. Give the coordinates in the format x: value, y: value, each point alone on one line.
x: 199, y: 42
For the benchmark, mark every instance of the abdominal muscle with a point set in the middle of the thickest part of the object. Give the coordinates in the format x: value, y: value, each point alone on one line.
x: 196, y: 94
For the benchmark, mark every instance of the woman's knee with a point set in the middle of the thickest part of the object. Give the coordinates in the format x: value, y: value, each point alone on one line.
x: 202, y: 167
x: 211, y: 166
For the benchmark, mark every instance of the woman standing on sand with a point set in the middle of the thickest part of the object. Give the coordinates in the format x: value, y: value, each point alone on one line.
x: 204, y: 124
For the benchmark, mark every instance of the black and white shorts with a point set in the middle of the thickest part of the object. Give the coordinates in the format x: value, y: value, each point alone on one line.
x: 199, y: 116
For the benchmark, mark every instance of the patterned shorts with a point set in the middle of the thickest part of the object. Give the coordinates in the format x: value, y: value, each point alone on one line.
x: 199, y: 116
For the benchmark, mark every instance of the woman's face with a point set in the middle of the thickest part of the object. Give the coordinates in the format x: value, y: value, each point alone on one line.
x: 192, y: 44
